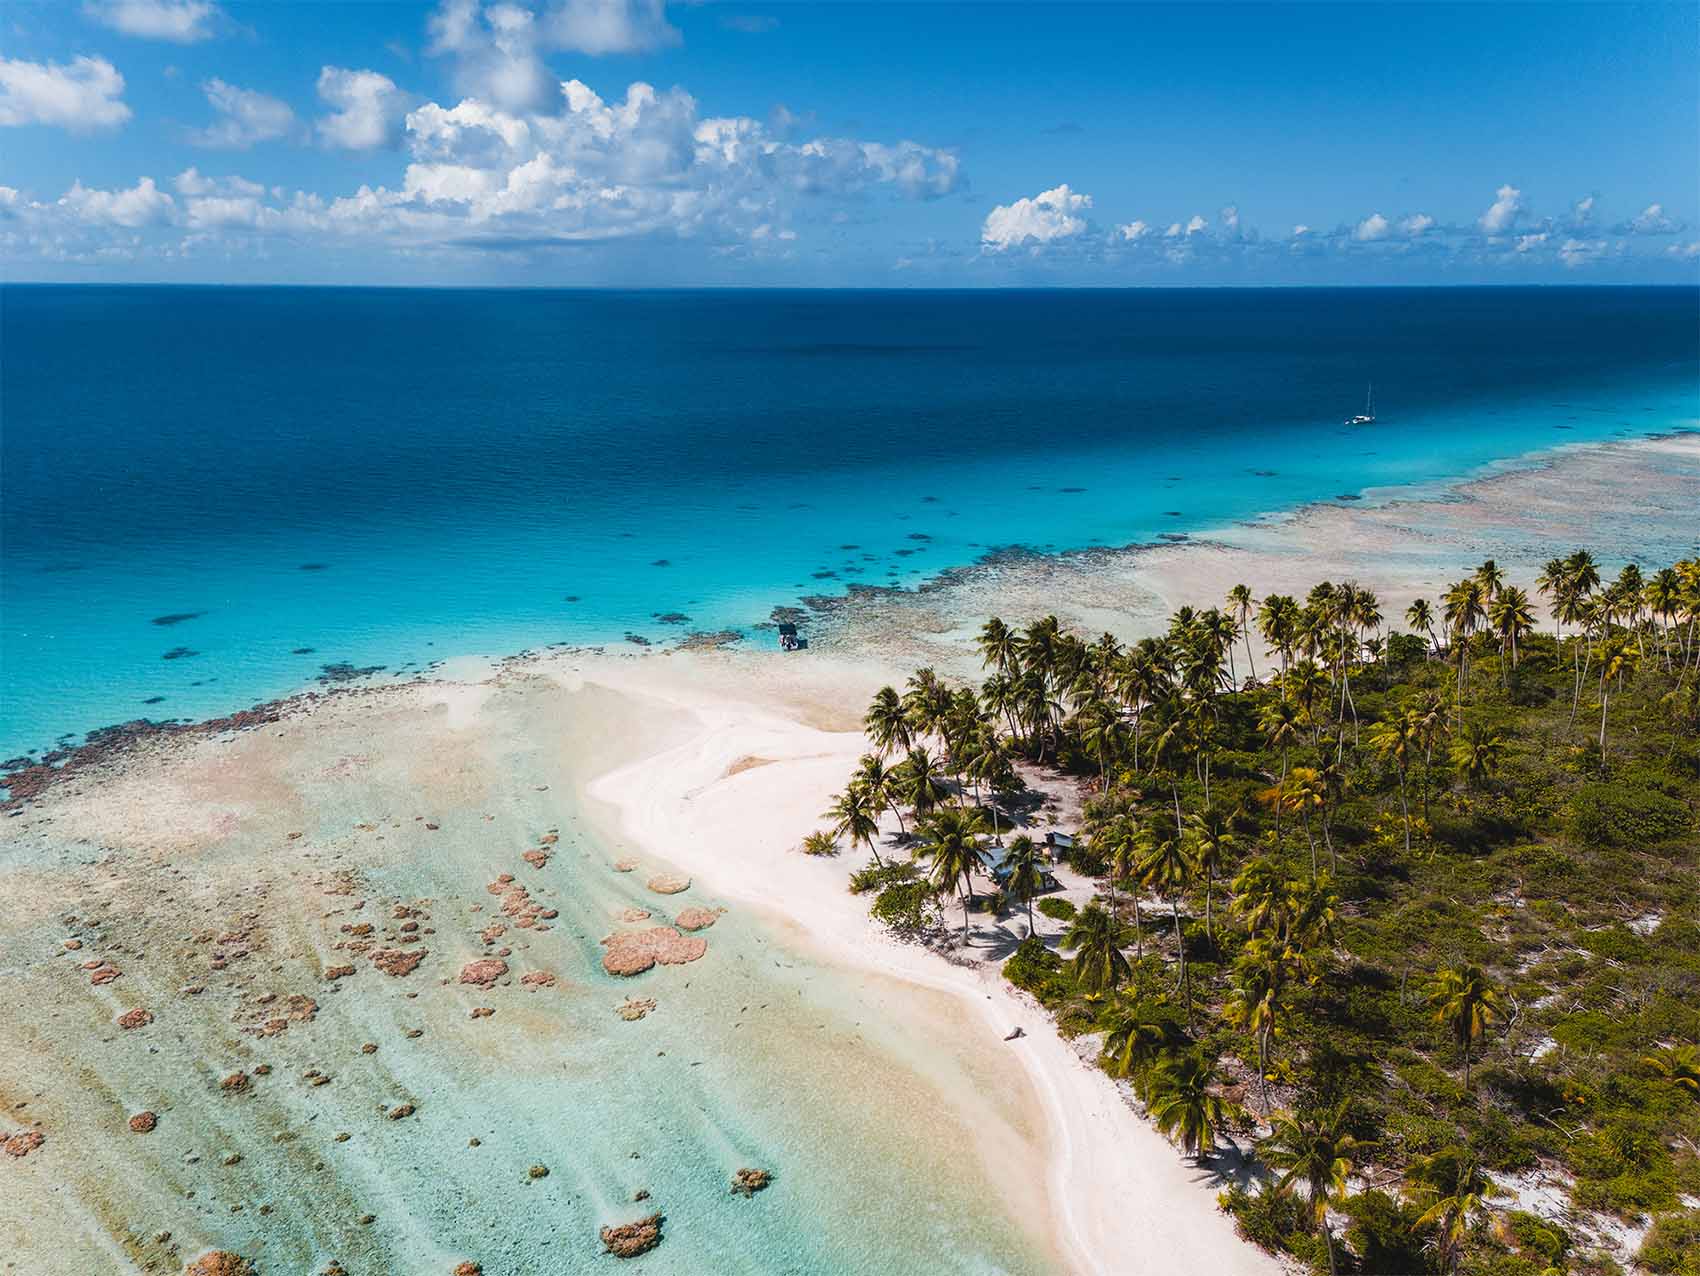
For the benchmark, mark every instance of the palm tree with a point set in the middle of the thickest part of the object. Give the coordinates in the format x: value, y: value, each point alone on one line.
x: 1277, y: 621
x: 1305, y: 792
x: 998, y: 646
x: 1136, y: 1035
x: 1026, y: 872
x: 1184, y: 1105
x: 1255, y: 999
x: 1279, y: 723
x: 918, y: 782
x: 880, y: 783
x: 820, y: 842
x: 1618, y: 662
x: 1167, y: 868
x: 854, y: 815
x: 1394, y: 739
x: 1314, y: 1149
x: 1464, y: 607
x: 886, y: 724
x: 1240, y: 605
x: 1477, y: 752
x: 1095, y: 937
x: 1420, y: 617
x: 1512, y: 619
x: 1464, y: 999
x: 1450, y: 1188
x: 1680, y: 1065
x: 1432, y: 714
x: 1211, y: 844
x: 951, y: 841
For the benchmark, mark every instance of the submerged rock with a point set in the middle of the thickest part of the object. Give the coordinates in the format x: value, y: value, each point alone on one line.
x: 397, y: 961
x: 483, y: 972
x: 628, y: 1240
x: 219, y: 1262
x: 137, y: 1018
x: 748, y: 1182
x: 696, y: 918
x: 22, y: 1144
x: 669, y: 883
x: 631, y: 952
x: 143, y: 1123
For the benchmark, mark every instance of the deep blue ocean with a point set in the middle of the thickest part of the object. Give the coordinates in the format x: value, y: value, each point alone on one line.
x: 210, y: 494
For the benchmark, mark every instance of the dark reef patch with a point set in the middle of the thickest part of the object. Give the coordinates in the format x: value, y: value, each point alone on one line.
x: 177, y: 617
x: 180, y: 653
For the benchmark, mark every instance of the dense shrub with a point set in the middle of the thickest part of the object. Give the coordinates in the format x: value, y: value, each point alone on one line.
x: 1617, y: 814
x: 1056, y: 909
x: 1672, y: 1248
x: 1036, y: 969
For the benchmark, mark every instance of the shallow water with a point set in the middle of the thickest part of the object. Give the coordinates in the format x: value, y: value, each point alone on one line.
x: 211, y: 494
x: 887, y: 1139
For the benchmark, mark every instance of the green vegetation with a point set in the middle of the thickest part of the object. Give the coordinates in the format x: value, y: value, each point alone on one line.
x: 1420, y: 910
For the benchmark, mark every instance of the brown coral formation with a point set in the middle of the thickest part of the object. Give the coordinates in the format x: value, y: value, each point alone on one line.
x: 219, y: 1262
x: 748, y: 1182
x: 398, y: 961
x: 338, y: 972
x: 399, y: 1111
x: 143, y: 1123
x: 535, y: 979
x: 296, y: 1008
x: 101, y: 972
x: 669, y: 883
x: 235, y: 1083
x: 625, y: 865
x: 517, y: 904
x: 631, y: 952
x: 635, y: 1008
x: 137, y: 1018
x: 696, y: 918
x: 23, y: 1143
x: 537, y: 859
x: 468, y: 1269
x: 628, y: 1240
x: 483, y: 972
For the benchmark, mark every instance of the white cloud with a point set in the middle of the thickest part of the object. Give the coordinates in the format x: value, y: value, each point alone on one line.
x: 1174, y: 231
x: 1502, y: 214
x: 81, y: 96
x: 1300, y: 231
x: 142, y: 205
x: 1577, y: 252
x: 1582, y: 211
x: 245, y: 117
x: 1652, y: 221
x: 609, y: 26
x: 498, y: 47
x: 1230, y: 219
x: 1416, y: 225
x: 1528, y: 243
x: 180, y: 21
x: 1043, y: 219
x: 367, y: 109
x: 1196, y: 225
x: 1371, y: 228
x: 1134, y: 230
x: 191, y: 183
x: 1690, y: 249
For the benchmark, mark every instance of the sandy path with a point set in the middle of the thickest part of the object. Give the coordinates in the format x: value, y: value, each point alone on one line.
x: 1122, y: 1199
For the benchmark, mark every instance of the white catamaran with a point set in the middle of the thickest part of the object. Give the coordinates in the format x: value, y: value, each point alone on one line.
x: 1367, y: 416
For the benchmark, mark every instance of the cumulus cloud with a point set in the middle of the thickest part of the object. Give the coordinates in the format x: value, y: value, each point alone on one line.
x: 1371, y: 228
x: 1582, y: 211
x: 1196, y: 225
x: 179, y: 21
x: 1045, y: 218
x: 142, y: 205
x: 1578, y: 252
x: 1684, y: 251
x: 82, y: 95
x: 1133, y: 231
x: 1652, y: 221
x: 1503, y: 213
x: 367, y: 109
x: 1528, y: 243
x: 1416, y: 225
x: 245, y: 117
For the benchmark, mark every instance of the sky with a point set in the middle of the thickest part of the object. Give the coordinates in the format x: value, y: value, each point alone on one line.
x: 647, y: 143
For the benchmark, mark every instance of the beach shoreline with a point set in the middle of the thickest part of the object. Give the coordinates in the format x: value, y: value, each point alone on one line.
x: 755, y: 741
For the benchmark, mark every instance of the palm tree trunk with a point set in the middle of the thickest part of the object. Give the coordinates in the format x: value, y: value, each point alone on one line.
x: 1312, y: 840
x: 1328, y: 1240
x: 1404, y: 806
